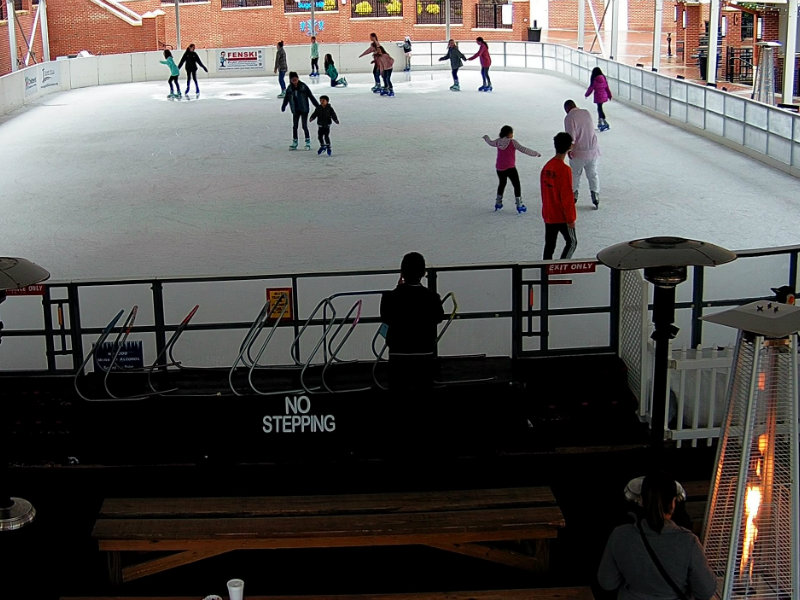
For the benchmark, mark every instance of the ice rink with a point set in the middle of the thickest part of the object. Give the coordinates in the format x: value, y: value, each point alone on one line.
x: 119, y: 181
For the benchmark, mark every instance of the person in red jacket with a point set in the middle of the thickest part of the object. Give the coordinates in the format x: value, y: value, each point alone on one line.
x: 486, y: 62
x: 558, y: 203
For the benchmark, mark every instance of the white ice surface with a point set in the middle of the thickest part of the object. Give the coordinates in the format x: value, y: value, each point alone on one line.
x: 119, y: 181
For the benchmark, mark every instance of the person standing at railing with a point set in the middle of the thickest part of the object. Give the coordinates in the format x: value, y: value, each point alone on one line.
x: 281, y: 67
x: 376, y: 73
x: 456, y: 60
x: 411, y: 313
x: 406, y: 46
x: 314, y: 57
x: 486, y: 62
x: 585, y: 149
x: 192, y: 60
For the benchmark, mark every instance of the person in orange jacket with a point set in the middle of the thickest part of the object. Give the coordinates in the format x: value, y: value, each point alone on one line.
x: 558, y: 203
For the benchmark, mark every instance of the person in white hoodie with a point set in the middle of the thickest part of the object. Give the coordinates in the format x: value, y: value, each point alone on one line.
x: 585, y: 149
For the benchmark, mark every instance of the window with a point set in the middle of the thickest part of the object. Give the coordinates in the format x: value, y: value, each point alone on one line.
x: 3, y: 6
x: 376, y: 8
x: 490, y: 16
x: 432, y: 12
x: 296, y: 6
x: 747, y: 25
x: 245, y: 3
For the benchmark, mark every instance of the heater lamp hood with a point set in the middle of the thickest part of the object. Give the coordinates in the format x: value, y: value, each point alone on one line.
x: 17, y: 273
x: 663, y: 251
x: 763, y: 317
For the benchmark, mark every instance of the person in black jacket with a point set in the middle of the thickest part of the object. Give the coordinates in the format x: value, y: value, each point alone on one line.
x: 298, y: 97
x: 411, y: 313
x: 325, y: 115
x: 191, y: 59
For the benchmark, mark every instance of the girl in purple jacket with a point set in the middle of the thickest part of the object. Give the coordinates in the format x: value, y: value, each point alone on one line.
x: 486, y: 62
x: 602, y: 94
x: 506, y: 165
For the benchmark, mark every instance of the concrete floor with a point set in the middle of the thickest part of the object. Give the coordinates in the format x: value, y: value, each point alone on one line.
x: 119, y: 181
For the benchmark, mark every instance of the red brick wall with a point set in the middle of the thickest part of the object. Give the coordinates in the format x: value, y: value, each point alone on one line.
x: 26, y: 18
x: 564, y: 15
x: 76, y: 25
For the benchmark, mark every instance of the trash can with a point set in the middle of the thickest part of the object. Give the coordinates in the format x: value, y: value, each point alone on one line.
x: 534, y: 34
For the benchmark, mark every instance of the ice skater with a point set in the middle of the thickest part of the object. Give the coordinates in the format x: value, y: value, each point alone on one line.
x: 602, y: 94
x: 506, y: 165
x: 406, y: 46
x: 174, y: 71
x: 585, y: 151
x: 298, y: 97
x: 456, y: 61
x: 330, y: 70
x: 373, y: 48
x: 558, y: 205
x: 314, y: 57
x: 192, y: 60
x: 324, y: 114
x: 486, y: 62
x: 281, y: 67
x: 385, y: 64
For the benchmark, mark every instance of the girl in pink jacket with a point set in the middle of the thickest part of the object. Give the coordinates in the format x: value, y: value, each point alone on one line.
x: 602, y: 93
x: 486, y: 62
x: 506, y: 165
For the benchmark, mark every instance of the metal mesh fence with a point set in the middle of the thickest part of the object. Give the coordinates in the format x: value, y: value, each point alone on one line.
x: 633, y: 327
x: 752, y: 511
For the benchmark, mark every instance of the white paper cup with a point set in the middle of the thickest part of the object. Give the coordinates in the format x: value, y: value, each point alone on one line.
x: 236, y: 589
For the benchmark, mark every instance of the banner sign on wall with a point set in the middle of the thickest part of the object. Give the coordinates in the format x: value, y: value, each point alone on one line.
x: 49, y: 76
x: 130, y: 356
x: 31, y: 85
x: 240, y: 59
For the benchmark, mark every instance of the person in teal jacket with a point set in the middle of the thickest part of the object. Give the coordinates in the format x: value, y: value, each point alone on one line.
x: 174, y: 71
x: 331, y: 71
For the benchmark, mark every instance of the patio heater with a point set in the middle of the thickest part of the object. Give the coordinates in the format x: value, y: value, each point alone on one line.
x: 664, y: 260
x: 15, y: 273
x: 751, y: 533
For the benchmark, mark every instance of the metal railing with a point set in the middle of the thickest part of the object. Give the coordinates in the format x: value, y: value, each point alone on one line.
x: 376, y: 9
x: 739, y: 65
x: 432, y: 12
x: 245, y: 3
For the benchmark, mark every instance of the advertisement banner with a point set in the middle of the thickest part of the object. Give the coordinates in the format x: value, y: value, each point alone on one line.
x: 48, y: 76
x: 240, y: 59
x: 31, y: 85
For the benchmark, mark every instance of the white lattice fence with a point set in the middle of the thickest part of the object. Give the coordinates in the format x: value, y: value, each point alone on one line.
x: 633, y: 332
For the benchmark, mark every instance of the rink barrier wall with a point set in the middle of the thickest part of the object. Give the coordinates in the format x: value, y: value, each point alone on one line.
x: 767, y: 133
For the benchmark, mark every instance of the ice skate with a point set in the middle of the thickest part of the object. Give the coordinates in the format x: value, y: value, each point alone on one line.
x: 328, y: 150
x: 455, y: 88
x: 488, y: 88
x: 391, y: 93
x: 282, y: 95
x: 604, y: 126
x: 596, y: 200
x: 294, y: 145
x: 498, y: 203
x: 344, y: 81
x: 482, y: 88
x: 308, y: 144
x: 321, y: 149
x: 521, y: 208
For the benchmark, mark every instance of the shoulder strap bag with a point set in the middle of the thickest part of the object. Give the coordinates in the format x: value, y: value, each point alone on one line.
x: 659, y: 566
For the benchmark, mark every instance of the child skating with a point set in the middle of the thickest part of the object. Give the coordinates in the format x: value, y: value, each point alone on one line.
x: 192, y: 60
x: 324, y: 114
x: 506, y: 163
x: 174, y: 71
x: 385, y: 65
x: 314, y: 57
x: 602, y: 94
x: 456, y: 61
x: 486, y: 63
x: 330, y: 70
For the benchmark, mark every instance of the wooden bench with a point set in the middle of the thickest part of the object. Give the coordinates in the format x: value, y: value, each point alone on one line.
x: 460, y: 521
x: 561, y: 593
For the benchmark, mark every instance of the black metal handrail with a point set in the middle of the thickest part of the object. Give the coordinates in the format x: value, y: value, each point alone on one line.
x: 490, y: 16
